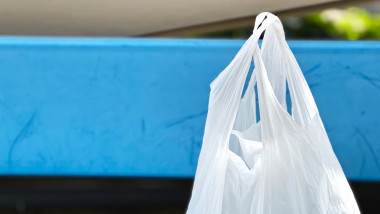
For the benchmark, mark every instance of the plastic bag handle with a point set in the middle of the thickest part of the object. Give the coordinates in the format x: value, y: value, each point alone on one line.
x: 267, y: 20
x: 262, y: 22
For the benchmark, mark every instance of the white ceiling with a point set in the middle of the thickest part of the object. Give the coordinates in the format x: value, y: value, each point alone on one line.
x: 126, y: 17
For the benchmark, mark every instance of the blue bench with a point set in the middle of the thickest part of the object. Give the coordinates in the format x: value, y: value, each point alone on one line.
x: 137, y: 107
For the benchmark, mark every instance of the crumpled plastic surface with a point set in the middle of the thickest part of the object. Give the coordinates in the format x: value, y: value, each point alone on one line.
x: 281, y: 164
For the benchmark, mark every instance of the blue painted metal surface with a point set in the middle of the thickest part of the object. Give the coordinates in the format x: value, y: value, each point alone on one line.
x: 137, y: 107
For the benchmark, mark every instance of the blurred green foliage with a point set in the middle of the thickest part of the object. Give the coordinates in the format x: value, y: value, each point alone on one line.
x: 352, y: 23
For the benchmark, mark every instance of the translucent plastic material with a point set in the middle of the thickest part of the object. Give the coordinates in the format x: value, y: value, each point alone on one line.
x: 282, y: 164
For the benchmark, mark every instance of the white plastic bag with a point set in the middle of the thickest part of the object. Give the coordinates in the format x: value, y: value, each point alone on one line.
x: 282, y: 164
